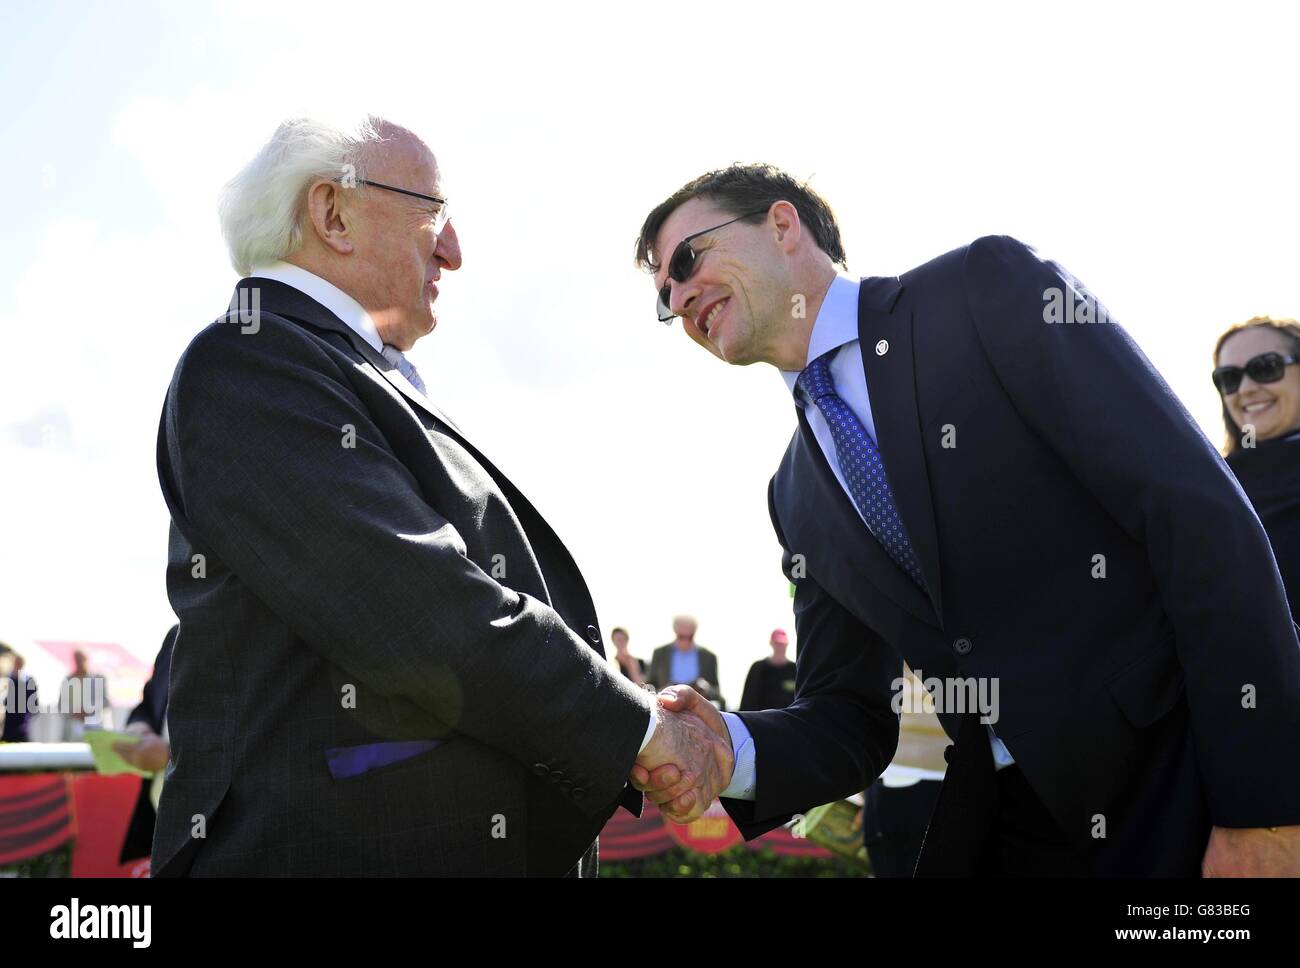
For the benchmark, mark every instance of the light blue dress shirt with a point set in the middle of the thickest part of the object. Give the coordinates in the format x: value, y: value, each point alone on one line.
x: 836, y: 328
x: 685, y: 665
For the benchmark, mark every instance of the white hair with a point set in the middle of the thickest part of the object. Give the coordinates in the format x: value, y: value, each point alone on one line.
x: 260, y: 207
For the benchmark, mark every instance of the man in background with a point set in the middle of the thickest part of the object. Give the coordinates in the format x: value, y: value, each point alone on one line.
x: 83, y: 699
x: 149, y: 752
x: 683, y: 662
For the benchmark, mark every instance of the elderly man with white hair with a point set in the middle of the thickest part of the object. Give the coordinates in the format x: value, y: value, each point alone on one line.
x: 387, y: 663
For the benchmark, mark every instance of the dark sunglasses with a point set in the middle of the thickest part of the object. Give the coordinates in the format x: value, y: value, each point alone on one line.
x: 1265, y: 368
x: 682, y: 264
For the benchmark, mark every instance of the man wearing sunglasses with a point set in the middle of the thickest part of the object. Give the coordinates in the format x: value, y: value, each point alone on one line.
x: 387, y: 662
x: 989, y: 496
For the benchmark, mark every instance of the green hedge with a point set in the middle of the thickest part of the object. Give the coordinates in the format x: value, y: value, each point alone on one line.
x: 52, y: 863
x: 736, y: 862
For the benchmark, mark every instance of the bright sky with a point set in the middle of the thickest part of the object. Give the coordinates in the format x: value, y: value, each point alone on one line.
x: 1151, y: 149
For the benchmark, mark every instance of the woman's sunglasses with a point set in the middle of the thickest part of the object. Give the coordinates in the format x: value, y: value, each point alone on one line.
x: 682, y: 264
x: 1265, y: 368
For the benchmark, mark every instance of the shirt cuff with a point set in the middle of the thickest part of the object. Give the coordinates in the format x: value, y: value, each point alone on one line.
x: 649, y: 730
x: 744, y: 778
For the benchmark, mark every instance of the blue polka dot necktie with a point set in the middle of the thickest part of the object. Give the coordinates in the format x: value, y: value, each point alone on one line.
x: 860, y: 463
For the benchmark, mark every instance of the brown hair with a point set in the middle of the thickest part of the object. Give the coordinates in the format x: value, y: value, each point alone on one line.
x: 1288, y: 328
x: 746, y: 188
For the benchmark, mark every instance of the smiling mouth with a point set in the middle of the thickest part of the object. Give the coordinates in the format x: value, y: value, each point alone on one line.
x: 706, y: 322
x: 1251, y: 408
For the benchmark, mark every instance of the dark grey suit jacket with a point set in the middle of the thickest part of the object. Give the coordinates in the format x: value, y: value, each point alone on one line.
x: 349, y: 570
x: 661, y: 664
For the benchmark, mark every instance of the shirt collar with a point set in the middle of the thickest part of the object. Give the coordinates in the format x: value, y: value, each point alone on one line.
x: 327, y: 294
x: 836, y: 324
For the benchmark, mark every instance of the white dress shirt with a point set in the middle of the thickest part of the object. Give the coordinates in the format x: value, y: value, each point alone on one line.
x: 835, y: 329
x: 327, y: 294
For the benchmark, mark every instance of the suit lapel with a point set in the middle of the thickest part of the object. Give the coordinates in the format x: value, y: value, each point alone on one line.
x: 400, y: 383
x: 885, y: 333
x: 824, y: 517
x: 283, y: 300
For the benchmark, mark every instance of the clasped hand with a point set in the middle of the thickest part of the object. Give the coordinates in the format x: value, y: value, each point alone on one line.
x: 688, y: 761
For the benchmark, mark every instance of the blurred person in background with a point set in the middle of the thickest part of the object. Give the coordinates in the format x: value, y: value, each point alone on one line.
x: 20, y: 702
x: 83, y: 699
x: 148, y: 721
x: 1259, y: 383
x: 6, y: 684
x: 682, y: 662
x: 897, y: 807
x: 628, y: 664
x: 770, y: 682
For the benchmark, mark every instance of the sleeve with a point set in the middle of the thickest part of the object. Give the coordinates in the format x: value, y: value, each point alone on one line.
x: 840, y: 732
x: 341, y: 544
x: 1086, y: 388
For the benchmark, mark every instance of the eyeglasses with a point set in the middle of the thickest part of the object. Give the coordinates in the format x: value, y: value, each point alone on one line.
x: 682, y: 264
x: 440, y: 217
x: 1265, y: 368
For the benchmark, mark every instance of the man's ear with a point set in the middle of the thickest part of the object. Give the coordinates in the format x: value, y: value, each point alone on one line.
x: 329, y: 217
x: 785, y: 218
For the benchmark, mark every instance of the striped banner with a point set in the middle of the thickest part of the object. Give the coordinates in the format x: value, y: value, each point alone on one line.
x: 35, y: 815
x: 626, y: 837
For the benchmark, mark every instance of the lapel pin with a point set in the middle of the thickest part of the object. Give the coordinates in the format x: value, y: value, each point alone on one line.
x: 882, y: 347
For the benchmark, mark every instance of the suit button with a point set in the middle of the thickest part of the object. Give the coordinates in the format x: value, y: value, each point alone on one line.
x: 579, y: 793
x: 947, y: 753
x: 540, y: 769
x: 566, y: 785
x: 963, y: 646
x: 593, y: 634
x: 556, y: 776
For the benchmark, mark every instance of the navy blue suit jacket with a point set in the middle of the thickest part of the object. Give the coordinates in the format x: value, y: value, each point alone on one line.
x: 1162, y: 698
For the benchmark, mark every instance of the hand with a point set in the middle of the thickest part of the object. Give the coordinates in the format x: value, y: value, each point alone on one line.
x: 1252, y: 852
x: 684, y: 789
x: 150, y: 754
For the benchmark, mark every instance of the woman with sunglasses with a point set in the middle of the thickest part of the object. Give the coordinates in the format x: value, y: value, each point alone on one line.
x: 1258, y: 379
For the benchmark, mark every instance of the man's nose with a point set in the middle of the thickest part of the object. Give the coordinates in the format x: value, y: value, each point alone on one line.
x: 681, y: 297
x: 448, y: 249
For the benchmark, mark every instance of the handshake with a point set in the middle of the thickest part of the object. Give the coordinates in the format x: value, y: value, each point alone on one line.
x: 688, y: 761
